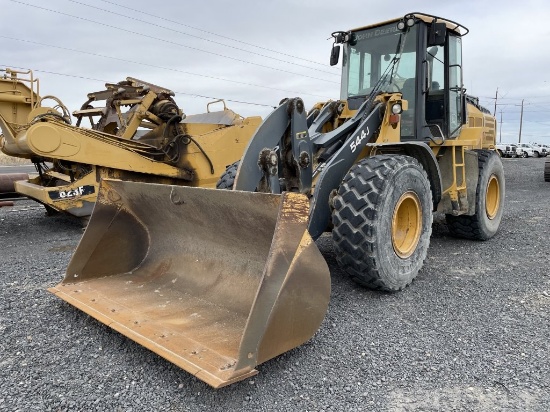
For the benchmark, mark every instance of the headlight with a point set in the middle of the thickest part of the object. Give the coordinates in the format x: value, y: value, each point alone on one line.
x: 397, y: 108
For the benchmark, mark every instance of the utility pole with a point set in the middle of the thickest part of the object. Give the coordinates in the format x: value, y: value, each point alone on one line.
x: 520, y: 121
x: 500, y: 129
x: 496, y: 98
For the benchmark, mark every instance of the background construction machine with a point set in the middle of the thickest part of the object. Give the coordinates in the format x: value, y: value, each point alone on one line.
x: 218, y: 281
x: 136, y: 133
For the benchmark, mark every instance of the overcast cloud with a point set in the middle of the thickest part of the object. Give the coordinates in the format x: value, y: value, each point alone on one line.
x: 259, y: 52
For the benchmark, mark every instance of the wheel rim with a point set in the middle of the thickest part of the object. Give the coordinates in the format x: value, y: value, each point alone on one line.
x: 492, y: 198
x: 406, y: 225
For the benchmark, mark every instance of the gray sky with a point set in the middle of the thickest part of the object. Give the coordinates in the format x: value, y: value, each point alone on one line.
x: 262, y: 51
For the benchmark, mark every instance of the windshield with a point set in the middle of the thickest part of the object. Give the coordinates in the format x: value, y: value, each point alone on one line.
x: 373, y: 58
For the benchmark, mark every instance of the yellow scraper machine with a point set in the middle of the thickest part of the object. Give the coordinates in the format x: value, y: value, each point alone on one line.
x: 136, y: 133
x: 219, y: 281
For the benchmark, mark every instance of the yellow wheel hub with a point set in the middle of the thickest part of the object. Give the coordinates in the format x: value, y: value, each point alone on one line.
x: 406, y: 225
x: 492, y: 197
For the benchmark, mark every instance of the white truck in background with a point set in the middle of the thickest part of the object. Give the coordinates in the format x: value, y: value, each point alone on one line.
x: 541, y: 150
x: 526, y: 150
x: 507, y: 150
x: 522, y: 150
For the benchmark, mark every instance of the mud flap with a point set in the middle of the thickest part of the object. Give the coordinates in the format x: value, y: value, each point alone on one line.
x: 214, y: 281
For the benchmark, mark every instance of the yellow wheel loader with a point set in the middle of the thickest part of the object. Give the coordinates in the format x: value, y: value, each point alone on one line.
x: 137, y: 132
x: 219, y: 281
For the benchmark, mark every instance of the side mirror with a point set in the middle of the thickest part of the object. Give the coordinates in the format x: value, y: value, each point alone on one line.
x: 334, y: 55
x: 437, y: 34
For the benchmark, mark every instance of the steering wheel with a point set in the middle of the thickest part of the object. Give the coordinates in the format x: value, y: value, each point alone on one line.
x: 394, y: 88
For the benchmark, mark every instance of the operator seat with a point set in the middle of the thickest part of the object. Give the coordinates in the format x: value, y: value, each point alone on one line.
x: 408, y: 90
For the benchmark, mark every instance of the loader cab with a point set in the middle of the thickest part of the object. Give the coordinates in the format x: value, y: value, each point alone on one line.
x: 419, y: 56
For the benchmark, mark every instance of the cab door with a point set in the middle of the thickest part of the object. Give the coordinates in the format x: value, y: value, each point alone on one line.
x: 455, y: 94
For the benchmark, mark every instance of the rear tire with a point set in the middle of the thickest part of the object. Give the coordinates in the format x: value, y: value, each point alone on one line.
x: 383, y: 221
x: 489, y: 201
x: 228, y: 178
x: 547, y: 171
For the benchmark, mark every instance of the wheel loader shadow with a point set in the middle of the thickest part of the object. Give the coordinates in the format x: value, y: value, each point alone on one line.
x: 439, y: 226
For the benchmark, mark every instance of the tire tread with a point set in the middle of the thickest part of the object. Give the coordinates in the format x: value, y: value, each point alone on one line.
x: 357, y: 206
x: 470, y: 227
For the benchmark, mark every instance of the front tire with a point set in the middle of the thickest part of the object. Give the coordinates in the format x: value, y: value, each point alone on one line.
x: 383, y: 221
x: 489, y: 201
x: 227, y: 180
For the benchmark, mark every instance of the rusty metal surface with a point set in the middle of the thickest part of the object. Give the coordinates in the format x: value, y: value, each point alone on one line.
x: 214, y: 281
x: 7, y: 181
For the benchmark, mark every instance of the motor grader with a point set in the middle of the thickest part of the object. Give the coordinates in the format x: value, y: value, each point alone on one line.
x: 219, y: 281
x: 136, y: 132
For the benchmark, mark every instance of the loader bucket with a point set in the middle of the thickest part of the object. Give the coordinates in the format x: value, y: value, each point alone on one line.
x: 214, y: 281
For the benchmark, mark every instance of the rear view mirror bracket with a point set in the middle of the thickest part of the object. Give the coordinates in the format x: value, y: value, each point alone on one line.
x: 437, y: 34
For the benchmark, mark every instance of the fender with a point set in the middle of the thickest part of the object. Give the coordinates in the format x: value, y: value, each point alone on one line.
x: 421, y: 152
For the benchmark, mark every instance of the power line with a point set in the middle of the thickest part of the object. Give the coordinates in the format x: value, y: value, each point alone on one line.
x: 512, y: 98
x: 534, y: 121
x: 168, y: 41
x: 528, y: 111
x: 160, y: 67
x: 198, y: 37
x: 209, y: 32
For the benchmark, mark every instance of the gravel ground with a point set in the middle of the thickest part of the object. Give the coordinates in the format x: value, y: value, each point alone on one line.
x: 470, y: 334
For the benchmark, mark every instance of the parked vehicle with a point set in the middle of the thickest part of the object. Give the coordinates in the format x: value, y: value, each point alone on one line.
x: 540, y: 150
x: 526, y: 150
x: 507, y: 150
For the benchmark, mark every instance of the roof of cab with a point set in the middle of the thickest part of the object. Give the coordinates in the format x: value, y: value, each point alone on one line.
x: 428, y: 18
